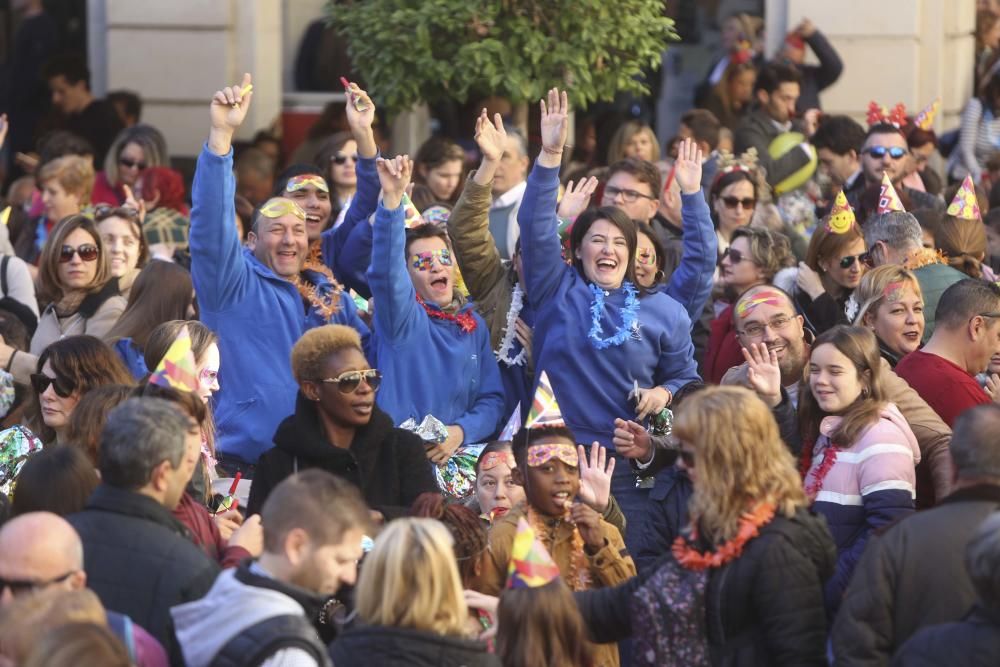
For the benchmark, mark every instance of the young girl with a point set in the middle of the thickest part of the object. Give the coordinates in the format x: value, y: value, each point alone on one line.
x: 859, y: 469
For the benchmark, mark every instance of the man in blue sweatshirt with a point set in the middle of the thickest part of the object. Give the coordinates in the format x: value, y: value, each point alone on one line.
x: 259, y: 300
x: 432, y: 347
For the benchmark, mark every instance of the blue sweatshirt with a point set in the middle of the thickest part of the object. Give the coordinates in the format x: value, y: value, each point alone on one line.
x: 429, y: 366
x: 591, y: 385
x: 346, y: 249
x: 691, y: 283
x: 257, y: 315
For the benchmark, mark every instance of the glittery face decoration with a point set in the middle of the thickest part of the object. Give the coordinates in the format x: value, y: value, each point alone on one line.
x: 423, y: 261
x: 893, y: 292
x: 539, y: 455
x: 768, y: 298
x: 302, y: 181
x: 277, y: 207
x: 493, y: 459
x: 645, y: 257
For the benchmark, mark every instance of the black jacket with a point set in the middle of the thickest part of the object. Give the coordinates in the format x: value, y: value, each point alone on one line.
x: 388, y: 464
x: 973, y: 642
x: 911, y: 576
x: 139, y: 559
x: 758, y: 130
x: 666, y: 516
x: 825, y: 312
x: 366, y: 646
x: 817, y: 77
x: 764, y: 608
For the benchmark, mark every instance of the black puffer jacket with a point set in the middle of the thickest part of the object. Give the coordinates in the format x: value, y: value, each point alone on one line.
x: 974, y: 642
x: 765, y: 608
x: 139, y: 559
x: 369, y: 645
x: 388, y: 464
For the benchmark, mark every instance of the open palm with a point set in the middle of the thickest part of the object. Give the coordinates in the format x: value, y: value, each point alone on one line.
x: 555, y: 120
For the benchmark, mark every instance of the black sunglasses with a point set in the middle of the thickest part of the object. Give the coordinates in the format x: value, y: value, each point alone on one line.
x: 848, y: 261
x: 21, y: 586
x: 88, y: 252
x: 879, y: 152
x: 734, y: 255
x: 732, y: 202
x: 40, y: 382
x: 130, y: 163
x: 103, y: 212
x: 341, y: 158
x: 349, y: 382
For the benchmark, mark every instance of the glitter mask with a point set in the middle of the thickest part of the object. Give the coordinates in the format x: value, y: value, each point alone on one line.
x: 645, y: 257
x: 539, y: 455
x: 275, y: 208
x: 301, y: 182
x: 493, y: 459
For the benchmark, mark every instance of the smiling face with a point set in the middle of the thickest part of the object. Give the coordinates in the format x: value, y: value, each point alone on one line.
x: 849, y: 277
x: 58, y: 203
x: 432, y: 270
x: 56, y: 410
x: 443, y: 179
x: 743, y: 274
x: 603, y: 252
x: 738, y: 215
x: 131, y: 162
x: 121, y: 242
x: 317, y: 206
x: 775, y: 323
x: 281, y: 244
x: 833, y: 379
x: 347, y: 410
x: 342, y: 166
x: 77, y: 273
x: 552, y: 486
x: 898, y: 322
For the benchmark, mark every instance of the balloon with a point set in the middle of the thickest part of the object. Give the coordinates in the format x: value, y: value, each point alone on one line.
x: 789, y: 141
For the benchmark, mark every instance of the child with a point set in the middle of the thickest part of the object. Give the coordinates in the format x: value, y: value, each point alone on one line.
x: 496, y: 491
x: 589, y: 551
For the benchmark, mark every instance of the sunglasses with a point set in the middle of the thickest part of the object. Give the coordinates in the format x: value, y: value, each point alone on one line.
x: 342, y: 158
x: 103, y: 212
x: 734, y: 255
x: 422, y: 261
x: 88, y: 252
x: 277, y: 207
x: 645, y: 257
x: 21, y: 586
x: 40, y: 383
x: 879, y: 152
x: 848, y: 262
x: 348, y: 383
x: 132, y: 164
x: 747, y: 202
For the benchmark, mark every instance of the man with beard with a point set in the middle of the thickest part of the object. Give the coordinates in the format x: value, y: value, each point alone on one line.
x: 263, y: 612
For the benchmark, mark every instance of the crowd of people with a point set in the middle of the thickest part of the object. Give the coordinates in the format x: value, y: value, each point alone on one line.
x: 727, y: 398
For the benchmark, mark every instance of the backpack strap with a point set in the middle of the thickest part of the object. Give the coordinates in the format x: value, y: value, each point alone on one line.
x: 93, y: 301
x: 255, y: 644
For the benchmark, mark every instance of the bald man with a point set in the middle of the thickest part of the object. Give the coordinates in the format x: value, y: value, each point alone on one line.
x: 41, y: 551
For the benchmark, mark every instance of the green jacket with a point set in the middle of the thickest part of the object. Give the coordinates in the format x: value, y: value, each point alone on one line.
x: 934, y: 279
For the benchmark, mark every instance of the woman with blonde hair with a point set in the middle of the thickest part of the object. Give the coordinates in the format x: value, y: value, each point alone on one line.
x: 891, y: 307
x: 833, y: 267
x: 634, y: 139
x: 859, y: 454
x: 409, y: 603
x: 963, y: 244
x: 744, y: 584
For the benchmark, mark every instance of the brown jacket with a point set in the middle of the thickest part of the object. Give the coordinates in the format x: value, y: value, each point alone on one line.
x: 933, y: 435
x: 610, y: 566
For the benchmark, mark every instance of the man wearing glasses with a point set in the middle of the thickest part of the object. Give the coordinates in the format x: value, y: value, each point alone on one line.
x: 885, y: 151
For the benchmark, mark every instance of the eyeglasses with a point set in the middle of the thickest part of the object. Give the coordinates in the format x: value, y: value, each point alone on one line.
x: 63, y: 388
x: 422, y: 261
x: 103, y: 212
x: 628, y: 196
x: 848, y: 261
x: 277, y: 207
x: 734, y: 255
x: 342, y: 158
x: 756, y: 329
x: 732, y: 202
x: 645, y: 257
x: 21, y: 586
x: 132, y: 164
x: 349, y: 382
x: 879, y: 152
x: 88, y: 252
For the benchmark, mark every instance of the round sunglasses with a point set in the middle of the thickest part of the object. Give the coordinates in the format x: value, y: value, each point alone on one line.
x: 349, y: 382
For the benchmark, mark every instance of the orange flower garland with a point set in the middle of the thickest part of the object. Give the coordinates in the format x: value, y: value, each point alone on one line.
x: 329, y: 306
x: 750, y: 524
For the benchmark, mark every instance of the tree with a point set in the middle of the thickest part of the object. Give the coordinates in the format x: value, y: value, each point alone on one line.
x: 431, y: 50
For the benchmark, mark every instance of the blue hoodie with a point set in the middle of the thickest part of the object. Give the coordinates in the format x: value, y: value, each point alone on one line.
x: 257, y: 315
x: 691, y: 282
x: 429, y: 365
x: 343, y: 248
x: 591, y: 385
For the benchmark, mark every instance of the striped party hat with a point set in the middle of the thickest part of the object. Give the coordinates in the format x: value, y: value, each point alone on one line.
x: 530, y: 565
x: 177, y: 368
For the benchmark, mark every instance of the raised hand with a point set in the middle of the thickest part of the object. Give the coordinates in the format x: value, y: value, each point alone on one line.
x: 688, y: 167
x: 490, y: 136
x: 576, y: 199
x: 394, y: 175
x: 230, y: 105
x: 763, y: 372
x: 631, y: 440
x: 360, y: 119
x: 595, y: 476
x: 555, y: 127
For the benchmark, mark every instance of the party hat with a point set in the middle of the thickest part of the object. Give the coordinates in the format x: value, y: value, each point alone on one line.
x: 5, y: 216
x: 925, y: 119
x: 411, y: 215
x: 177, y: 368
x: 531, y: 565
x: 513, y: 424
x: 965, y: 206
x: 841, y: 215
x: 888, y: 200
x: 544, y: 409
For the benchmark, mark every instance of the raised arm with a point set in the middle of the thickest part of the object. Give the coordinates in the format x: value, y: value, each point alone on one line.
x: 537, y: 216
x: 469, y: 224
x: 395, y: 298
x: 217, y: 265
x: 691, y: 283
x: 830, y: 65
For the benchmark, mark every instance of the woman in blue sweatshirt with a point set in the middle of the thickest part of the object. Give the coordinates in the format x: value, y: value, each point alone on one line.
x: 432, y: 347
x: 596, y: 334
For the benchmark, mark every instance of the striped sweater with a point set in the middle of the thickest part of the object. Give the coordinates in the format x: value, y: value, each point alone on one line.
x: 979, y: 137
x: 871, y: 484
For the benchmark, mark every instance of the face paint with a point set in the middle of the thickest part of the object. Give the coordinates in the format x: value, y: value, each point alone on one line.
x: 893, y: 292
x: 539, y: 455
x: 746, y: 306
x: 277, y: 207
x: 645, y: 257
x: 424, y: 260
x: 494, y: 459
x: 304, y: 180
